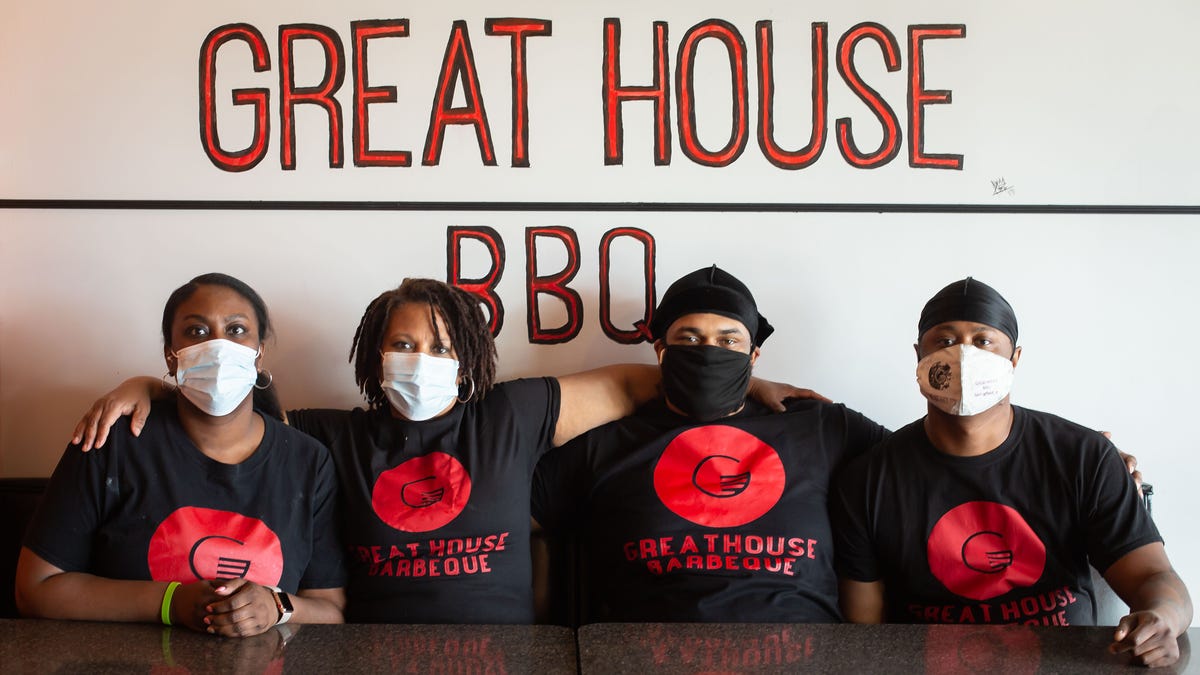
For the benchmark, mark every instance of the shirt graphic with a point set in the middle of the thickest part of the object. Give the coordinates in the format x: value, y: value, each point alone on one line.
x: 982, y: 550
x: 423, y: 493
x: 719, y: 476
x: 195, y: 543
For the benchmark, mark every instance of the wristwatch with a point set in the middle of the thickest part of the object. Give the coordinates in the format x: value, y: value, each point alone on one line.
x: 283, y: 603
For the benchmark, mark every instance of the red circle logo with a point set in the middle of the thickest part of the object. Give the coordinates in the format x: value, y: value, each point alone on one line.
x: 719, y: 476
x: 982, y: 550
x: 423, y: 493
x: 194, y: 543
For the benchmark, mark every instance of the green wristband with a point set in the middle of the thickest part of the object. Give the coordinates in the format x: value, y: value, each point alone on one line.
x: 165, y: 612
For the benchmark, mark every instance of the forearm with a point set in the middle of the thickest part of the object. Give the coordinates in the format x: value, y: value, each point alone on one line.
x: 153, y: 388
x: 1165, y: 593
x: 324, y: 605
x: 595, y: 397
x: 861, y: 601
x: 86, y: 597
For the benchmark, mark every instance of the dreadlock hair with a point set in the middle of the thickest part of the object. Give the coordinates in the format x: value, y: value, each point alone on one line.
x: 469, y: 336
x: 266, y: 401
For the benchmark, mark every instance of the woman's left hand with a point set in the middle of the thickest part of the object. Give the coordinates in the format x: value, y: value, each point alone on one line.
x: 244, y: 609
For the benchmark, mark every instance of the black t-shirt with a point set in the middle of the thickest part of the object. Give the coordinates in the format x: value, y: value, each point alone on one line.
x: 724, y: 521
x: 436, y: 513
x: 154, y: 507
x: 1004, y: 537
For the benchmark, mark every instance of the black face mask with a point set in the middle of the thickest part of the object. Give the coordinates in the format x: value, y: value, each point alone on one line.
x: 706, y: 383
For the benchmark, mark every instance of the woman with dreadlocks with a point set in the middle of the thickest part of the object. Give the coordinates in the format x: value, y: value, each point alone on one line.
x: 435, y: 473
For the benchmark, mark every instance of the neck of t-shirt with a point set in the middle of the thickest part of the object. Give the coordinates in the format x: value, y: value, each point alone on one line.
x: 969, y: 435
x: 229, y: 439
x: 673, y: 408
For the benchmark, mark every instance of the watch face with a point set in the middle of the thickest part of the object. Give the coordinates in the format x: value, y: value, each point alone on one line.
x: 285, y: 601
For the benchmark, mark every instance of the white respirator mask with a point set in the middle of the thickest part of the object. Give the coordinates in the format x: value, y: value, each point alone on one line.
x: 419, y: 386
x: 964, y: 380
x: 216, y: 375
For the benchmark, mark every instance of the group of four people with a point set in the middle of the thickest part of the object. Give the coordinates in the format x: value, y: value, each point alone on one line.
x: 698, y: 503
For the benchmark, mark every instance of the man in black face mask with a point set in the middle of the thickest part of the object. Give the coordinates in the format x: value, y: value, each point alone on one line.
x: 706, y: 356
x: 705, y: 506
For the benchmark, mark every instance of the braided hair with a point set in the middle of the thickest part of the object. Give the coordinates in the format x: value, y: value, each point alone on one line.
x: 469, y: 336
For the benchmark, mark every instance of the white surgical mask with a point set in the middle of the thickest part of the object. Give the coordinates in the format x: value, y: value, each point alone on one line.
x: 216, y: 375
x: 419, y: 386
x: 964, y: 380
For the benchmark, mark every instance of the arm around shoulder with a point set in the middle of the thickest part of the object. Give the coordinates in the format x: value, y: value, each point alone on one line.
x: 595, y: 397
x: 131, y: 397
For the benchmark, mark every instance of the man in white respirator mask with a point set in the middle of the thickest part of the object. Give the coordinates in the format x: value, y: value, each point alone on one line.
x: 985, y: 512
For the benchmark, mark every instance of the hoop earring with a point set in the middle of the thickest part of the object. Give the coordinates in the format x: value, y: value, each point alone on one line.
x: 468, y: 398
x: 270, y: 379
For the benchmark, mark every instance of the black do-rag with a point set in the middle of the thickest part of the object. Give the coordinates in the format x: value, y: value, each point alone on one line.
x: 969, y: 300
x: 710, y: 290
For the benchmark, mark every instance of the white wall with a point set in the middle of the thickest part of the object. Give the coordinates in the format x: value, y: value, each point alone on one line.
x: 1042, y: 98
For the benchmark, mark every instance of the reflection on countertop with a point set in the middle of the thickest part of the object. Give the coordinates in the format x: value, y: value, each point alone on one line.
x: 33, y: 646
x: 832, y: 648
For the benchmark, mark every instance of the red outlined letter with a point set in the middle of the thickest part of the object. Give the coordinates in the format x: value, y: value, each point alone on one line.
x: 615, y: 95
x: 641, y: 329
x: 459, y: 63
x: 519, y: 30
x: 482, y: 287
x: 552, y: 284
x: 364, y: 95
x: 889, y: 147
x: 240, y: 160
x: 787, y: 159
x: 685, y: 91
x: 919, y: 97
x: 320, y: 94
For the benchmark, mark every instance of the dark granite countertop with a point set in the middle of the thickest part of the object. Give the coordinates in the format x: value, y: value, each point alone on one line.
x: 831, y: 648
x: 33, y: 646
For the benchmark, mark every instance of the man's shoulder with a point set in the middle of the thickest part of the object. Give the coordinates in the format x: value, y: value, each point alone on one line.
x: 1058, y: 433
x: 1051, y: 421
x: 800, y: 407
x: 896, y: 448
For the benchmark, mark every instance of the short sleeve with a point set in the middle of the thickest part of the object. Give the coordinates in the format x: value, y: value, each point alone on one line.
x: 326, y: 568
x: 1117, y: 520
x: 854, y: 552
x: 534, y: 404
x: 71, y: 509
x: 323, y: 425
x: 862, y: 434
x: 558, y: 483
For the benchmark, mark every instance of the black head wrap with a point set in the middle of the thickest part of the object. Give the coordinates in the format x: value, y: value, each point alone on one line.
x: 710, y: 290
x: 969, y: 300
